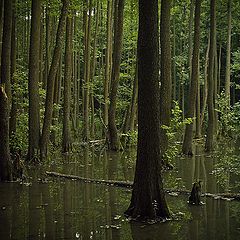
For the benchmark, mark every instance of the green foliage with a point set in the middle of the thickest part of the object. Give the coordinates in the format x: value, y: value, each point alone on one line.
x: 174, y: 132
x: 19, y: 141
x: 229, y: 118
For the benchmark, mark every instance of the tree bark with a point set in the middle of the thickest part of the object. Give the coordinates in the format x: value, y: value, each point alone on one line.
x: 5, y: 158
x: 210, y: 100
x: 87, y: 67
x: 165, y: 78
x: 33, y: 82
x: 114, y: 141
x: 66, y: 142
x: 51, y: 79
x: 6, y: 49
x: 148, y: 200
x: 13, y: 113
x: 228, y: 53
x: 107, y: 76
x: 187, y: 147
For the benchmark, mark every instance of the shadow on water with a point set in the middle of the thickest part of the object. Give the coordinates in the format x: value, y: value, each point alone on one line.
x: 67, y: 209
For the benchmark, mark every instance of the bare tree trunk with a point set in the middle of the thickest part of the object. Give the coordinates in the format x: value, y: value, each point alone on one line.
x: 187, y: 147
x: 148, y: 200
x: 205, y: 91
x: 114, y: 141
x: 165, y: 78
x: 5, y: 158
x: 210, y: 100
x: 228, y: 53
x: 66, y: 142
x: 87, y: 66
x: 51, y: 79
x: 92, y: 72
x: 33, y: 81
x: 6, y: 50
x: 13, y: 113
x: 108, y: 65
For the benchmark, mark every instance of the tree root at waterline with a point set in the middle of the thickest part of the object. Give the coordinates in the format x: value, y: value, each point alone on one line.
x: 129, y: 184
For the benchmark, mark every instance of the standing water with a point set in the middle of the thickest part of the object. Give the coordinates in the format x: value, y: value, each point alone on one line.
x: 57, y: 208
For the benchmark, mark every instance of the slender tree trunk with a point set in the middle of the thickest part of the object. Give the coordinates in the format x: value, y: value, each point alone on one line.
x: 108, y: 64
x: 33, y: 81
x: 190, y: 38
x: 174, y: 76
x: 219, y: 67
x: 114, y: 141
x: 148, y: 200
x: 51, y: 79
x: 198, y: 108
x: 87, y: 67
x: 66, y: 144
x: 6, y: 50
x: 210, y: 100
x: 205, y: 91
x: 165, y: 78
x: 192, y: 97
x: 134, y: 101
x: 13, y: 113
x: 92, y: 71
x: 1, y: 24
x: 228, y: 52
x: 5, y: 158
x: 47, y: 48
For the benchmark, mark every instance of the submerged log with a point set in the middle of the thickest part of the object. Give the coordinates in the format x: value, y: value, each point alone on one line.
x: 129, y: 184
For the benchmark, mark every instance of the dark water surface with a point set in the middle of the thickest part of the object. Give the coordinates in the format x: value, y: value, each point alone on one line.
x: 67, y: 209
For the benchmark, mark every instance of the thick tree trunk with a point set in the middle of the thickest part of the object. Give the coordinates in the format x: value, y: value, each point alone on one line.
x: 33, y: 82
x: 192, y: 97
x: 6, y: 50
x: 210, y: 100
x: 114, y: 141
x: 165, y: 78
x: 148, y: 200
x: 66, y: 142
x: 5, y: 158
x: 51, y: 79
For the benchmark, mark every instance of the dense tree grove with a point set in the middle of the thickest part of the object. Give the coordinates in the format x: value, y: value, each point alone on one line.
x: 85, y: 72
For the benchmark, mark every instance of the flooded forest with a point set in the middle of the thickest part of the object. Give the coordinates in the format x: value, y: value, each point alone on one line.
x: 119, y: 119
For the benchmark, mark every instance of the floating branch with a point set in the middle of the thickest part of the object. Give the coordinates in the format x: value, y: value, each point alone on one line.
x: 129, y: 184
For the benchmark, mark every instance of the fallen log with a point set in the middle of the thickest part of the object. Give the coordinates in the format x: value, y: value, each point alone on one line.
x: 129, y: 184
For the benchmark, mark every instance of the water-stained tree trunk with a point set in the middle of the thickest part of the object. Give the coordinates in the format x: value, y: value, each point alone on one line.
x: 51, y: 80
x: 192, y: 96
x: 33, y: 81
x: 148, y: 200
x: 114, y: 141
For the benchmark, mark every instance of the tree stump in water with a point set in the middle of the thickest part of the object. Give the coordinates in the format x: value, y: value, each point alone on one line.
x: 195, y: 197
